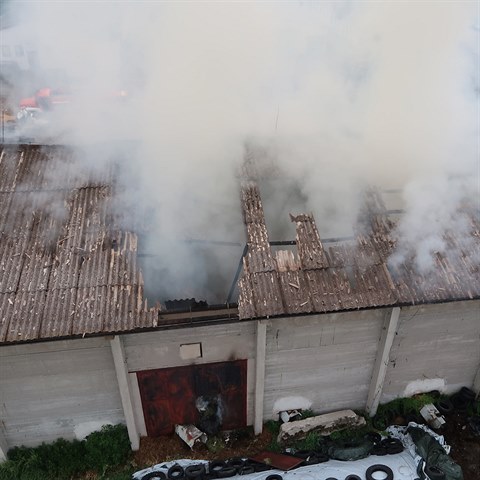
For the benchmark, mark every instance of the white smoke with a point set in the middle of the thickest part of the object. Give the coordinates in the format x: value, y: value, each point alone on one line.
x: 343, y: 95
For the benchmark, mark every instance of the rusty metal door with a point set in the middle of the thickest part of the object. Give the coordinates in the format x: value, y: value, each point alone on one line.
x: 169, y: 394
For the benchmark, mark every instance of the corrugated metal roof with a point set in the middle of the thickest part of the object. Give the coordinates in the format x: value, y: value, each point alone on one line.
x: 65, y: 270
x: 346, y: 275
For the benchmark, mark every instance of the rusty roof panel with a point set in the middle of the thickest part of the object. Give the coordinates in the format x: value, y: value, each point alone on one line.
x: 252, y: 204
x: 295, y: 292
x: 310, y: 248
x: 5, y: 199
x: 259, y: 260
x: 26, y: 317
x: 106, y: 308
x: 11, y: 262
x: 59, y: 312
x: 246, y: 303
x: 257, y: 234
x: 64, y: 269
x: 7, y: 302
x: 266, y: 294
x: 9, y: 161
x: 351, y: 274
x: 36, y: 268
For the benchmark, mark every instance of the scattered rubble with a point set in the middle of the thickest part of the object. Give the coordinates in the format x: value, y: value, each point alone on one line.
x: 190, y: 434
x: 323, y: 424
x: 432, y: 416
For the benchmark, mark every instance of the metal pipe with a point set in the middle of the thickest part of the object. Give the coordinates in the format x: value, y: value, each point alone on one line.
x: 237, y: 274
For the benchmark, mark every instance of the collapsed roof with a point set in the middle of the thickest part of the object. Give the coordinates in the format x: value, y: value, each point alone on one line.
x: 66, y: 269
x: 70, y: 269
x: 347, y: 275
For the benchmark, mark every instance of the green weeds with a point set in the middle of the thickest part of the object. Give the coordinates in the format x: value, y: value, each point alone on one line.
x: 63, y: 460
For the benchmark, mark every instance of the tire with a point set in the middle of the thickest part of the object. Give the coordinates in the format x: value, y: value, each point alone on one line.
x: 236, y: 462
x: 195, y: 471
x: 379, y: 450
x: 353, y: 477
x: 175, y: 472
x: 379, y: 468
x: 305, y: 454
x: 467, y: 394
x: 275, y: 476
x: 322, y: 457
x: 350, y: 451
x: 434, y: 473
x: 246, y: 470
x: 445, y: 407
x: 460, y: 404
x: 394, y: 450
x: 374, y: 437
x: 226, y: 472
x: 261, y: 467
x: 313, y: 460
x: 390, y: 441
x: 154, y: 475
x: 392, y: 445
x: 215, y: 465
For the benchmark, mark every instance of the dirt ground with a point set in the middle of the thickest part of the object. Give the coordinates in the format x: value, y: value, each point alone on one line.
x: 239, y: 444
x: 465, y: 447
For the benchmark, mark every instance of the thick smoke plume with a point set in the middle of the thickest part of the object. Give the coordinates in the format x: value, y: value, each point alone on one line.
x: 339, y: 95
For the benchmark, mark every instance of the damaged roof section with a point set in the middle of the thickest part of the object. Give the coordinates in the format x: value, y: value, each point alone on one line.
x: 344, y: 275
x: 66, y: 269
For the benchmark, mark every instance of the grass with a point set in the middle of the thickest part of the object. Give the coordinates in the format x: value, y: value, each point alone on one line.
x: 101, y: 453
x: 401, y: 406
x: 106, y: 455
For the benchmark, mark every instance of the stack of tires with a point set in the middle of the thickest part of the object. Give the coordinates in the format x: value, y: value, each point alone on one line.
x: 459, y: 402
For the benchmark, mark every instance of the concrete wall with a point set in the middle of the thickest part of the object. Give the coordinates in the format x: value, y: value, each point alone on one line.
x: 66, y: 388
x: 436, y: 347
x: 57, y: 389
x: 161, y: 349
x: 327, y: 360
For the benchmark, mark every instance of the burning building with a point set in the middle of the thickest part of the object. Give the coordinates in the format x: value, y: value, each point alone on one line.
x: 322, y: 324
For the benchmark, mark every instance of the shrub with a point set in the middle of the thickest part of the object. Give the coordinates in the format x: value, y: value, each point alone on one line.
x: 62, y: 460
x: 215, y: 444
x: 108, y: 447
x: 310, y: 442
x: 273, y: 426
x: 400, y: 406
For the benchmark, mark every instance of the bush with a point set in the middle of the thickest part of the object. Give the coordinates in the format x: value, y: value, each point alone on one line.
x: 400, y: 406
x: 62, y: 459
x: 310, y: 442
x: 108, y: 447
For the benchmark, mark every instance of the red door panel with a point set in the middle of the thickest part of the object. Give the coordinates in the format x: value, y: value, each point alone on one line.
x: 169, y: 394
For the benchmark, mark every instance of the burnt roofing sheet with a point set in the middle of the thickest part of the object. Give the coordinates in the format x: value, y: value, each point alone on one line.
x: 346, y: 275
x: 64, y: 269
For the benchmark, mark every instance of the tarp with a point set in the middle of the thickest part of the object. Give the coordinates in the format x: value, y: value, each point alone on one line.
x: 404, y: 465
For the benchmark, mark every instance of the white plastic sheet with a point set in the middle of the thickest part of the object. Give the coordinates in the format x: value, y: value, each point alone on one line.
x: 404, y: 465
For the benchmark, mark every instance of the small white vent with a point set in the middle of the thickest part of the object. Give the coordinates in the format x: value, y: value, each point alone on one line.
x: 189, y: 351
